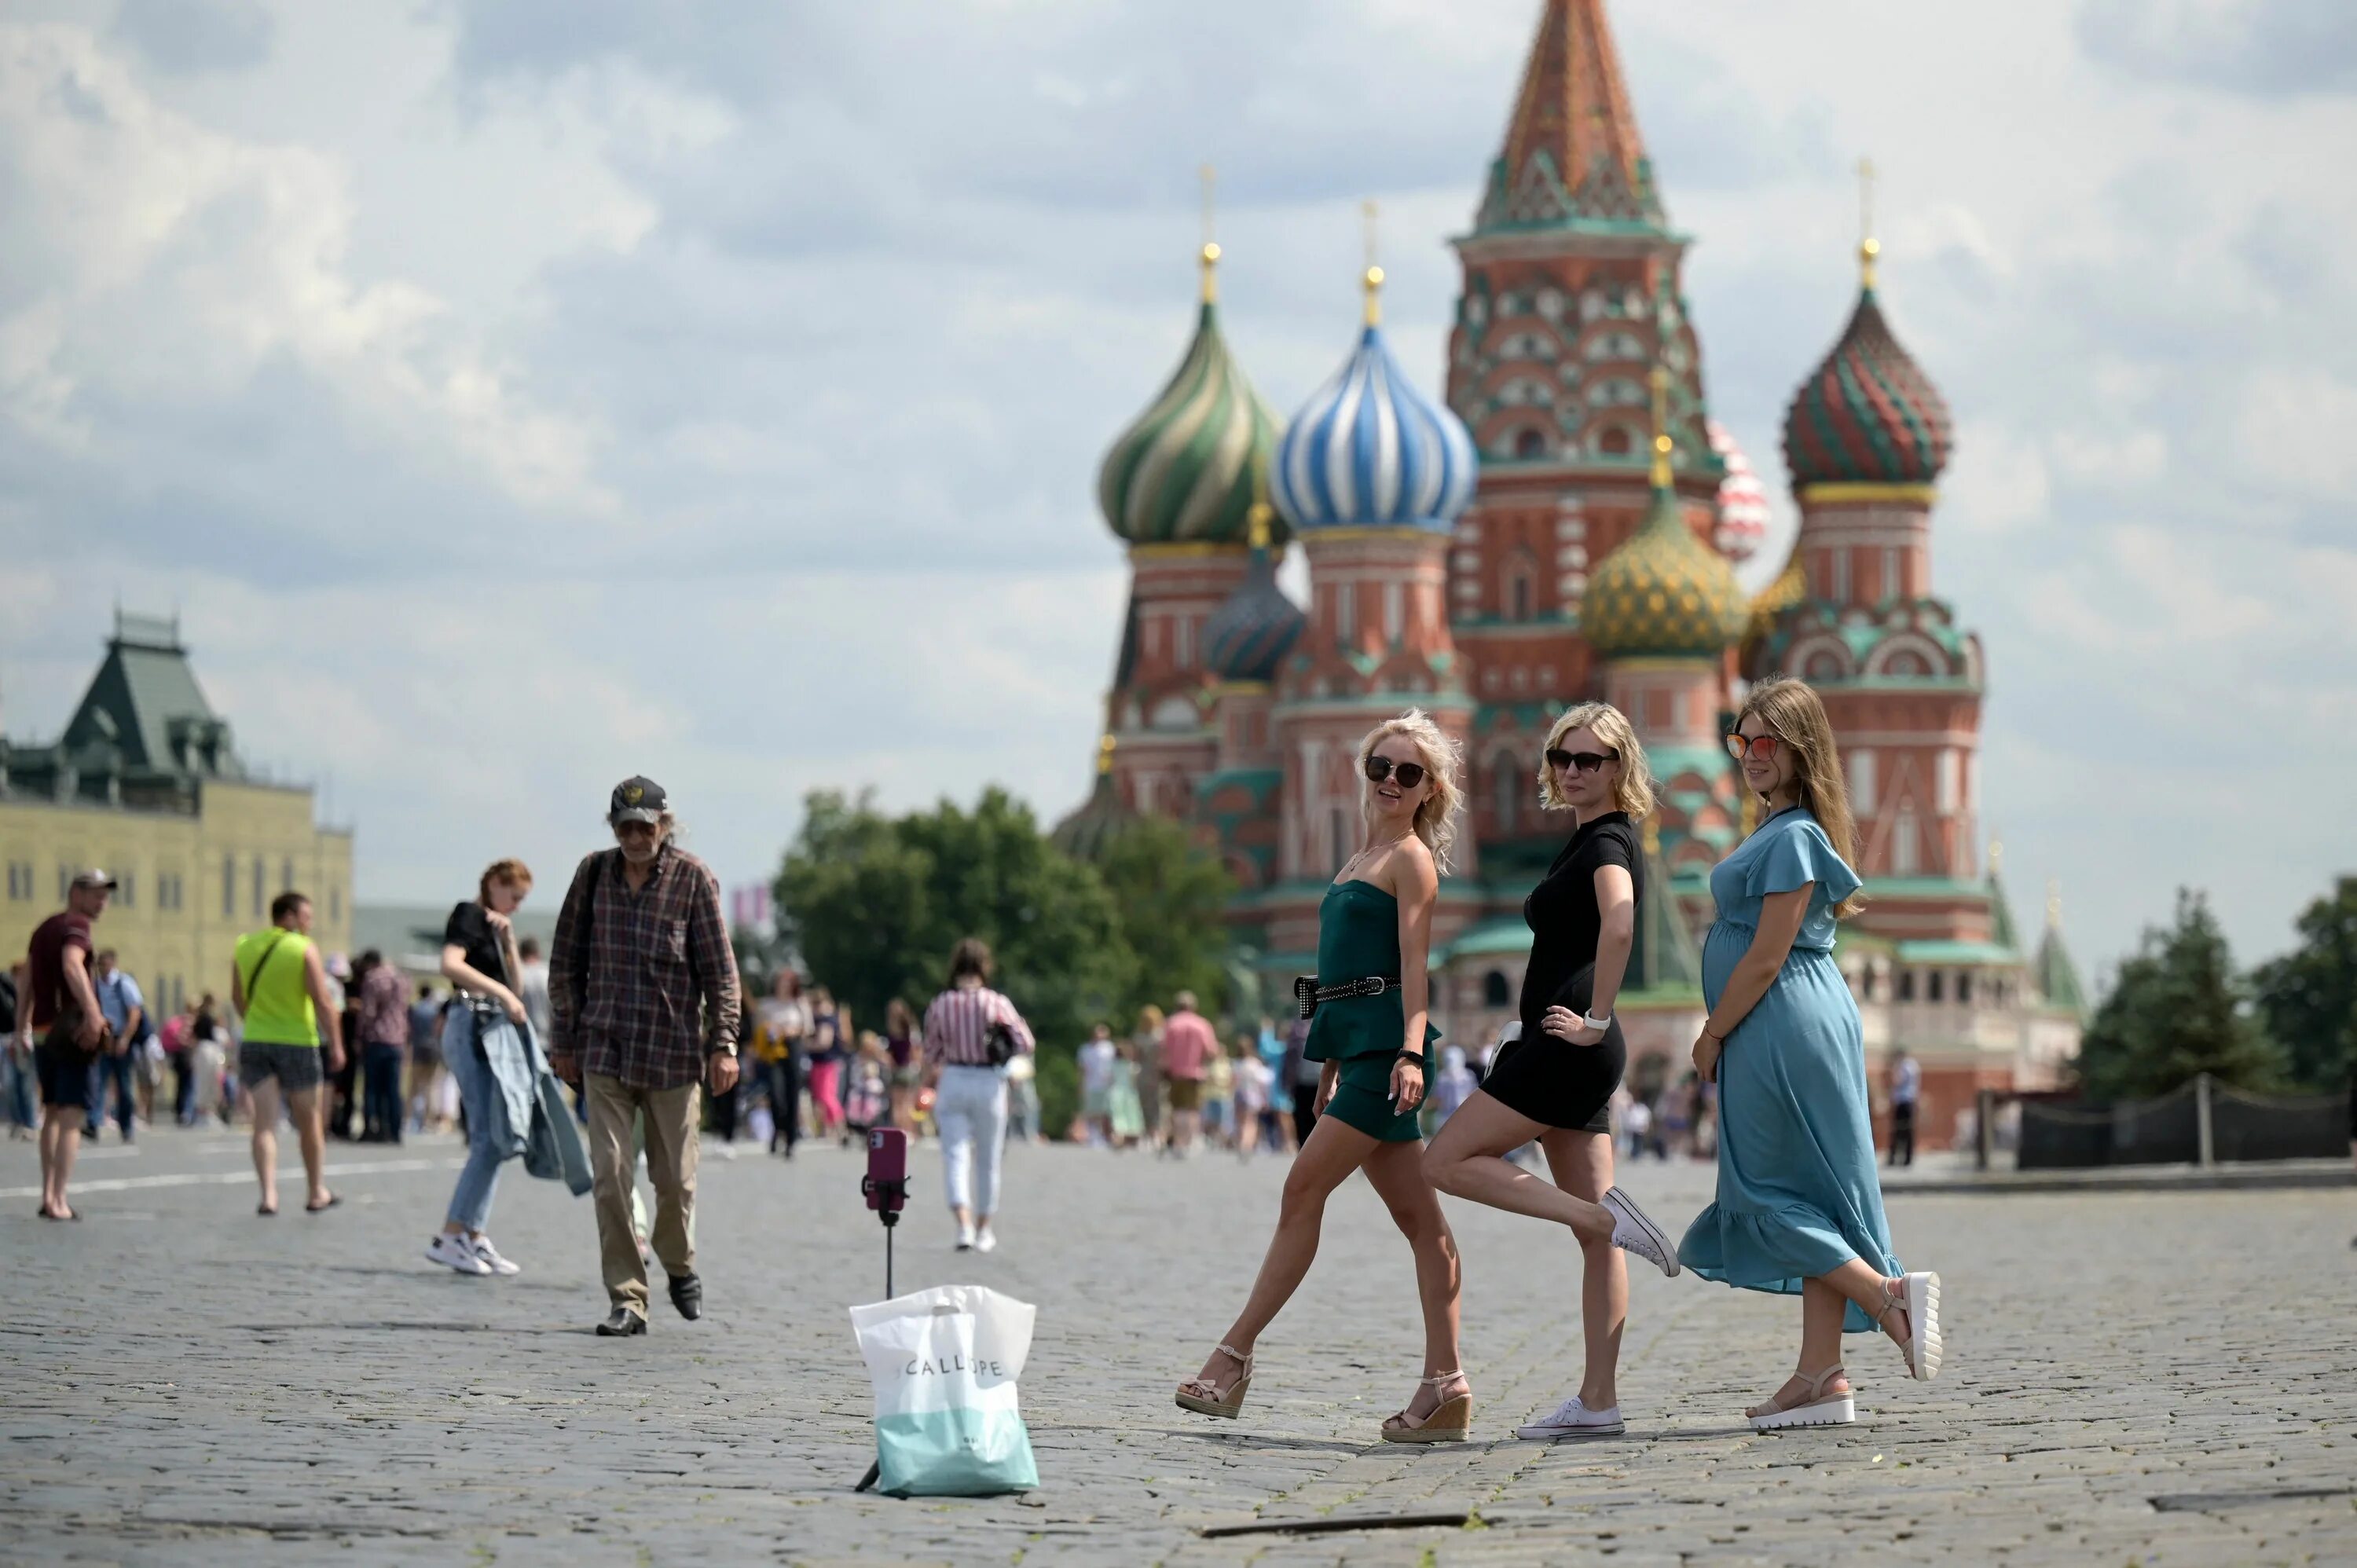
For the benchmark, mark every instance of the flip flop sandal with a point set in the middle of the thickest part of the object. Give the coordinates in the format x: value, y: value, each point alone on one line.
x: 333, y: 1199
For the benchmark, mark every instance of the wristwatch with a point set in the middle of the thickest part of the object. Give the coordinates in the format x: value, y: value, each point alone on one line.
x: 1593, y: 1022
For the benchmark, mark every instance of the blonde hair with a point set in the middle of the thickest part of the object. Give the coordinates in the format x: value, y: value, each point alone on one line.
x: 513, y: 872
x: 1444, y: 760
x: 1793, y: 714
x: 1633, y: 790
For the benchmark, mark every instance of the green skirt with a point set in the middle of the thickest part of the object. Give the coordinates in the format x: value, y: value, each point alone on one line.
x: 1363, y: 1099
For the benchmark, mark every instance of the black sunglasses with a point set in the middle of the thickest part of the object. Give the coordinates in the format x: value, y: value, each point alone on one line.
x: 1586, y: 761
x: 1409, y: 774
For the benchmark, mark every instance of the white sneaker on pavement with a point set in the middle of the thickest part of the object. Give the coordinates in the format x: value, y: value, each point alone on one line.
x: 985, y: 1240
x: 490, y: 1254
x: 453, y: 1252
x: 1572, y: 1418
x: 965, y: 1239
x: 1632, y: 1231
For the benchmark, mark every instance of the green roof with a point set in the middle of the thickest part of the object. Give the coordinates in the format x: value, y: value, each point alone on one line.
x: 1984, y: 953
x: 1507, y: 935
x: 2057, y: 977
x: 144, y: 697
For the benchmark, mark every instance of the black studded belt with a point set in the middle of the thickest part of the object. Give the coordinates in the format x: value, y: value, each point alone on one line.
x: 1312, y: 995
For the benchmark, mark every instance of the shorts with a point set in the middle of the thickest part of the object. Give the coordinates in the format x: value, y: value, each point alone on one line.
x: 1363, y: 1099
x: 1183, y: 1094
x: 296, y: 1068
x: 64, y: 1072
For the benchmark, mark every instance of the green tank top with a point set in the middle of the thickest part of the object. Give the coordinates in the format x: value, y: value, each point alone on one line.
x: 1358, y: 936
x: 278, y: 1009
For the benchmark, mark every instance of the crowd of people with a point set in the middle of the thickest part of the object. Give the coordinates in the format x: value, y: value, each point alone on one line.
x: 605, y: 1059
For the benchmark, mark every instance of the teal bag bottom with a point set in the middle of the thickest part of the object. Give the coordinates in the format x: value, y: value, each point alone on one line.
x: 955, y: 1454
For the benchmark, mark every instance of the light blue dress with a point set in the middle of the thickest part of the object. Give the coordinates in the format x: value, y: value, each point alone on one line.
x: 1797, y: 1193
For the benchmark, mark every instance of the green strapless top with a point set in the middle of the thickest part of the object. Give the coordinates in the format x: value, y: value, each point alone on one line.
x: 1357, y: 935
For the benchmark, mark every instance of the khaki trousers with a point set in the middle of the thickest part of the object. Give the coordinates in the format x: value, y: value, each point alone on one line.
x: 670, y: 1118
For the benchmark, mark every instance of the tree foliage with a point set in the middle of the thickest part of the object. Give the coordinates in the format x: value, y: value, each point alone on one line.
x: 878, y: 901
x: 2176, y: 1009
x: 2308, y: 997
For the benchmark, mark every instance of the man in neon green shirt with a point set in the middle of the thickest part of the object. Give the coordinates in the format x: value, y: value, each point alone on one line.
x: 280, y: 985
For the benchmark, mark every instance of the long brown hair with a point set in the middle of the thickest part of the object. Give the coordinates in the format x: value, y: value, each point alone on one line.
x: 1793, y: 714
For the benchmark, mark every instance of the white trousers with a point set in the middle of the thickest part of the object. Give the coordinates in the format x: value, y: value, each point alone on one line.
x: 969, y: 1108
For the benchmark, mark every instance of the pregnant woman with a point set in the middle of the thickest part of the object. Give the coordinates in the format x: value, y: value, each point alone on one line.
x: 1554, y: 1082
x: 1371, y: 1029
x: 1799, y: 1208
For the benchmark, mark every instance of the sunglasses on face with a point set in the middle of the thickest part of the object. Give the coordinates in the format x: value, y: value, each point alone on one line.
x: 1761, y: 747
x: 1585, y: 761
x: 1408, y: 774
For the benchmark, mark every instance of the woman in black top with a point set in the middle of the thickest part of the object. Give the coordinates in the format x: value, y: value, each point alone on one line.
x: 1553, y: 1080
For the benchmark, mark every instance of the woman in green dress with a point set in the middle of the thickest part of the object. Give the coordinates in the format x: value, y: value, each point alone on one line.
x: 1374, y: 925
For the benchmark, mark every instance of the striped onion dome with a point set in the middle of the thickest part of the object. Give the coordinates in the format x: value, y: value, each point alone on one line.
x: 1868, y: 414
x: 1255, y: 626
x: 1373, y: 449
x: 1664, y: 593
x: 1743, y: 514
x: 1183, y: 472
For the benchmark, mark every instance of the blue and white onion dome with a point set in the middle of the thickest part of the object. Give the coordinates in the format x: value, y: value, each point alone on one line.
x: 1371, y: 449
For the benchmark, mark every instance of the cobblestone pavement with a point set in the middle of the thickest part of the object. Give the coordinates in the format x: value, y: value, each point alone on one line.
x: 2131, y: 1378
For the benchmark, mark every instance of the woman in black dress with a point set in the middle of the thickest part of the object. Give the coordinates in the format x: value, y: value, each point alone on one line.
x: 1554, y: 1079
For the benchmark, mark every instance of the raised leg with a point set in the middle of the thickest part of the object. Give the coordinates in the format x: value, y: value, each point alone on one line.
x: 1466, y: 1159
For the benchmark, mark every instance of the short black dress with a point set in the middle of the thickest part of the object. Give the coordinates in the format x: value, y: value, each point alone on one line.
x: 1548, y: 1079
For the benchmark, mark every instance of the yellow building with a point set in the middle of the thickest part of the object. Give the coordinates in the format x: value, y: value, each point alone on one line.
x: 146, y: 783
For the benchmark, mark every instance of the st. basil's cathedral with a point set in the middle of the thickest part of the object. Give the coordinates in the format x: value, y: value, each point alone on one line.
x: 1562, y: 527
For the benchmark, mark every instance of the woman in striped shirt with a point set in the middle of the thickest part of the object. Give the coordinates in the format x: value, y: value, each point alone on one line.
x: 970, y: 1087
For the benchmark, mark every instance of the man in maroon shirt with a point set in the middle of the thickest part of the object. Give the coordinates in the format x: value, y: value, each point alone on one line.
x: 1187, y: 1045
x: 53, y: 984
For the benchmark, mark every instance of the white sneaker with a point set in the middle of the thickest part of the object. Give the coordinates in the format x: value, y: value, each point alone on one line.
x: 452, y: 1252
x: 965, y: 1239
x: 490, y: 1254
x: 1572, y: 1418
x: 1635, y: 1232
x: 985, y: 1240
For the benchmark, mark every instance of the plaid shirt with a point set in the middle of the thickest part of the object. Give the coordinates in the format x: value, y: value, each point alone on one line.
x: 660, y: 990
x: 385, y: 1007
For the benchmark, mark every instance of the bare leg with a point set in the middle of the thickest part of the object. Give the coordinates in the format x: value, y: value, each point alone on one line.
x: 264, y: 1100
x: 60, y: 1141
x: 1466, y: 1160
x: 1824, y: 1303
x: 1582, y: 1164
x: 1333, y: 1152
x: 308, y: 1108
x: 1396, y: 1172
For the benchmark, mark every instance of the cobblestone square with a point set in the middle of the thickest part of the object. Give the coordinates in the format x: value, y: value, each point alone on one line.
x: 2132, y: 1378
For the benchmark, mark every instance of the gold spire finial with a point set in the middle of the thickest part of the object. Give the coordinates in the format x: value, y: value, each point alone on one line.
x: 1105, y: 755
x: 1868, y: 247
x: 1996, y: 857
x: 2053, y: 904
x: 1257, y: 515
x: 1374, y: 275
x: 1662, y: 444
x: 1211, y: 246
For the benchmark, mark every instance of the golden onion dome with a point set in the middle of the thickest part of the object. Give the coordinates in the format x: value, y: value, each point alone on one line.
x: 1664, y: 593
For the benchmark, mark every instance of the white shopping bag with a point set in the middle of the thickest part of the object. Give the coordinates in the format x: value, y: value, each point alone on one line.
x: 944, y: 1362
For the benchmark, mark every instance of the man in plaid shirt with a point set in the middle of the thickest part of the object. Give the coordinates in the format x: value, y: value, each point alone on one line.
x: 642, y: 990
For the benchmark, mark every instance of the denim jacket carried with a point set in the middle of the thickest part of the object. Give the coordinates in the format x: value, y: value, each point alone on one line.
x: 528, y: 1113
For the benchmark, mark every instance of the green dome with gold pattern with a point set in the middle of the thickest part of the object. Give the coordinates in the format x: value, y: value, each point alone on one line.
x: 1664, y: 593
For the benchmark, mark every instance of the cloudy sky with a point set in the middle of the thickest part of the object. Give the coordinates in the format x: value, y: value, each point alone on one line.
x: 514, y: 394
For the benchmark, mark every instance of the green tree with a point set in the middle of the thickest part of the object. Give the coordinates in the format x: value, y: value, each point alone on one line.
x: 879, y: 901
x: 2176, y: 1009
x: 2308, y: 997
x: 1170, y: 895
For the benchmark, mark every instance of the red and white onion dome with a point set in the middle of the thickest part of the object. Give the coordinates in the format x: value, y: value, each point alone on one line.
x: 1742, y: 499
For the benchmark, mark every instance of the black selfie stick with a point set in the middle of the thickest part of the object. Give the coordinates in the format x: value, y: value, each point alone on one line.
x: 891, y: 1217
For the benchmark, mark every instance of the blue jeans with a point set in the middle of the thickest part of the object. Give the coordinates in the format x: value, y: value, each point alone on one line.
x: 123, y: 1071
x: 478, y: 1179
x: 17, y: 1072
x: 380, y: 1094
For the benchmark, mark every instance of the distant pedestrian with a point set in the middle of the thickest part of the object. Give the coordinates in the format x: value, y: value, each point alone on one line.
x: 126, y: 1008
x: 643, y: 984
x: 424, y: 1057
x: 970, y: 1031
x: 1252, y: 1082
x: 17, y: 1076
x: 781, y: 1027
x: 1454, y: 1086
x: 1125, y: 1116
x: 209, y: 1051
x: 382, y: 1027
x: 1145, y: 1050
x: 1906, y: 1088
x: 1188, y: 1045
x: 830, y: 1042
x: 1096, y: 1061
x: 1023, y: 1100
x: 867, y: 1080
x: 279, y: 984
x: 532, y: 984
x: 55, y: 999
x: 1300, y: 1074
x: 1637, y: 1123
x: 901, y: 1040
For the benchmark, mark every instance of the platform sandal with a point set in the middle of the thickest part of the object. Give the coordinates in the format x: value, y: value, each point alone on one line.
x: 1917, y: 1296
x: 1814, y: 1408
x: 1205, y: 1397
x: 1451, y: 1420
